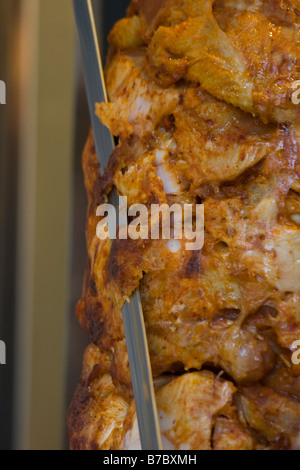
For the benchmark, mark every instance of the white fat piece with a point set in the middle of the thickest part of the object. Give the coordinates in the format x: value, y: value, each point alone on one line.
x: 169, y: 180
x: 166, y: 423
x: 173, y: 246
x: 132, y: 437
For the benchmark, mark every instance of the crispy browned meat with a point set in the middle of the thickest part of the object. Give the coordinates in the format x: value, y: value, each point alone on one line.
x: 197, y: 410
x: 191, y: 408
x: 200, y: 98
x: 243, y: 52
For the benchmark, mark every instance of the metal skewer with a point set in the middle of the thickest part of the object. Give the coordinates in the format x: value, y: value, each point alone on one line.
x: 132, y: 313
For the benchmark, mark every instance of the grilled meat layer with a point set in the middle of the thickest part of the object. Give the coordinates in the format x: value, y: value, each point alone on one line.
x: 201, y: 101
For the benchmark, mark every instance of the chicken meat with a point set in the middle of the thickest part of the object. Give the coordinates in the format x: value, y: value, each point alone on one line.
x: 200, y: 99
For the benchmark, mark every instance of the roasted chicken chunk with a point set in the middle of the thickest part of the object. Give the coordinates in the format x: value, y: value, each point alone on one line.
x: 201, y: 102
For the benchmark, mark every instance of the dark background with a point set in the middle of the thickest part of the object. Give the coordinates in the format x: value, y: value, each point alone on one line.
x: 108, y: 11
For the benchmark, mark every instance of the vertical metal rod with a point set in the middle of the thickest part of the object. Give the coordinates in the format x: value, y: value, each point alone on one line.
x: 133, y: 319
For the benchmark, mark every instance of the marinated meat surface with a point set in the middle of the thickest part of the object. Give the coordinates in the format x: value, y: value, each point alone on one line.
x: 201, y: 101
